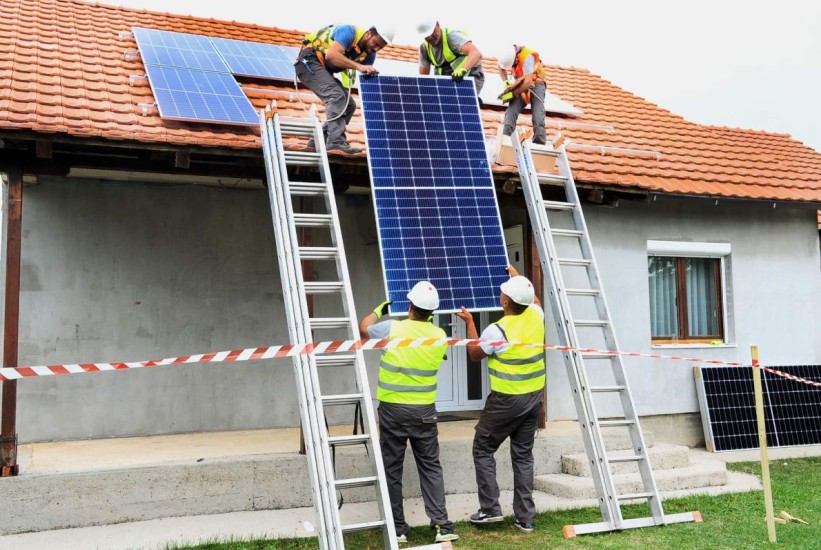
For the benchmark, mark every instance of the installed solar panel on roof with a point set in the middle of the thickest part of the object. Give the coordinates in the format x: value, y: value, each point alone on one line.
x: 435, y: 202
x: 200, y: 96
x: 255, y: 59
x: 176, y: 49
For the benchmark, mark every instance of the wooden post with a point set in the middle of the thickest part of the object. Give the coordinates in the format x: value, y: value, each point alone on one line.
x: 762, y: 443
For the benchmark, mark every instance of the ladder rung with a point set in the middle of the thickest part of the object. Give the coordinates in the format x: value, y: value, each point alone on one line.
x: 574, y: 261
x: 318, y: 253
x: 323, y: 287
x: 329, y: 322
x: 307, y: 189
x: 581, y: 292
x: 312, y: 220
x: 603, y: 389
x: 567, y: 232
x: 615, y: 423
x: 367, y: 526
x: 631, y: 496
x: 295, y: 129
x: 591, y: 323
x: 626, y: 458
x: 302, y: 158
x: 537, y: 149
x: 355, y: 482
x: 556, y: 205
x: 597, y: 355
x: 335, y: 360
x: 342, y: 399
x: 550, y: 178
x: 341, y: 440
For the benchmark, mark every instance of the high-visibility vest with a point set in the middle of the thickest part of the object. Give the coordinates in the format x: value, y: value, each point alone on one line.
x: 321, y: 41
x: 519, y: 369
x: 447, y: 53
x: 408, y: 375
x: 538, y: 69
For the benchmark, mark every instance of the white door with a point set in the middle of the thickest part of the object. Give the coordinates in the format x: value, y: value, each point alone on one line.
x: 462, y: 384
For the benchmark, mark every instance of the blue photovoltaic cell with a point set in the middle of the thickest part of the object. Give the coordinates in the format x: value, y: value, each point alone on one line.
x: 435, y: 202
x: 254, y: 59
x: 200, y: 96
x: 176, y: 49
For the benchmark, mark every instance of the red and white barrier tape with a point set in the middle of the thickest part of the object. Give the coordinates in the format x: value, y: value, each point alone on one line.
x: 336, y: 346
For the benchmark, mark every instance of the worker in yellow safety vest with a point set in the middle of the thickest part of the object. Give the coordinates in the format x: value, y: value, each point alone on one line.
x: 450, y: 52
x: 407, y: 406
x: 517, y: 381
x: 524, y: 77
x: 338, y: 49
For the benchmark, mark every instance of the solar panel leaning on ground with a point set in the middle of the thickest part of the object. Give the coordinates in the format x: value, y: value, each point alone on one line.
x: 435, y: 202
x: 190, y: 81
x: 792, y: 409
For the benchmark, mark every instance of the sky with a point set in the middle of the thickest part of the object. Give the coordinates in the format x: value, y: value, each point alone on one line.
x: 746, y: 64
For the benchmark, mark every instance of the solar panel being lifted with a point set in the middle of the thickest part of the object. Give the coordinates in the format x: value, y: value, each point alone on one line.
x: 435, y: 202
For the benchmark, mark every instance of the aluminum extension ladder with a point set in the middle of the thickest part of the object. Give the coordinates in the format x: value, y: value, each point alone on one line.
x: 557, y: 263
x: 285, y: 196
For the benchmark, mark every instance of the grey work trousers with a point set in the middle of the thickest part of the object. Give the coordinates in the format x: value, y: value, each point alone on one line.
x: 399, y: 424
x: 339, y: 107
x: 537, y: 111
x: 514, y: 416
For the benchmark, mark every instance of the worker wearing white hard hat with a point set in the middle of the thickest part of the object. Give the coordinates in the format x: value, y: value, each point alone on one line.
x: 517, y: 381
x: 449, y: 52
x: 524, y: 77
x: 407, y: 405
x: 343, y: 50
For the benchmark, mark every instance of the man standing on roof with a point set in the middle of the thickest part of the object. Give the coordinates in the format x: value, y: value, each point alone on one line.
x: 527, y: 87
x: 451, y: 52
x: 334, y: 49
x: 517, y: 381
x: 407, y: 409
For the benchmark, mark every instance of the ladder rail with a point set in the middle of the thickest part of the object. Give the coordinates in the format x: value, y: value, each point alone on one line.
x: 271, y: 141
x: 362, y: 384
x: 301, y: 326
x: 551, y: 270
x: 619, y: 372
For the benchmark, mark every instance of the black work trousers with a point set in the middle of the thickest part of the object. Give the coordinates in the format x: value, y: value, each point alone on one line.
x: 399, y: 424
x: 517, y: 417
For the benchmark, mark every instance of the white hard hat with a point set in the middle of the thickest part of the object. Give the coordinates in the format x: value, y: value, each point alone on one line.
x: 520, y: 290
x: 507, y: 58
x: 426, y: 27
x: 386, y: 32
x: 424, y: 295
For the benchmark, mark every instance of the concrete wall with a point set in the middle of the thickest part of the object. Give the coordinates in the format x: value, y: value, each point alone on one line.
x: 126, y: 272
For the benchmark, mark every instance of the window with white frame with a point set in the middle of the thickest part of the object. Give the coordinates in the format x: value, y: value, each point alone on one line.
x: 687, y: 283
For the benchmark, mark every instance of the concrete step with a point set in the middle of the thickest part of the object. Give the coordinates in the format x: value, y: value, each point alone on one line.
x: 705, y: 474
x: 663, y: 456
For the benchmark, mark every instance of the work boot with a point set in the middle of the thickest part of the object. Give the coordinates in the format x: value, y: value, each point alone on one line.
x: 311, y: 144
x: 525, y: 526
x: 343, y: 147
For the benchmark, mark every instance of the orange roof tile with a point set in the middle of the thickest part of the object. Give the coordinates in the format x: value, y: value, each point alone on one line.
x: 68, y: 73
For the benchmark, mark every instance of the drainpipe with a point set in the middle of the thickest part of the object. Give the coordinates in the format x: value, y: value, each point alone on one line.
x: 8, y: 421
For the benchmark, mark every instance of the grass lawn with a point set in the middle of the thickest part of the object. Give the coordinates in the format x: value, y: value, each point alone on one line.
x: 734, y: 521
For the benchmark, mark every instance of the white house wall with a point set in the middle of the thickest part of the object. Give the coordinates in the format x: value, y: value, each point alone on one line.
x: 775, y: 284
x: 127, y: 272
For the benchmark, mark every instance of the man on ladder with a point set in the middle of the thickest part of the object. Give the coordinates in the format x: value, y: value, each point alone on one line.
x: 517, y: 381
x: 407, y: 406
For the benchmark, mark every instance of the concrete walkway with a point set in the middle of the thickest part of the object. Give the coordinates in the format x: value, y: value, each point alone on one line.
x: 42, y: 459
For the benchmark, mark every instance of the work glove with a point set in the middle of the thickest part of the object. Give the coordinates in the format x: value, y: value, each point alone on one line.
x: 504, y: 97
x: 459, y: 74
x: 382, y: 308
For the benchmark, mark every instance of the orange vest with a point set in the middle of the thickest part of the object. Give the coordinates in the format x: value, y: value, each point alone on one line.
x: 519, y: 69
